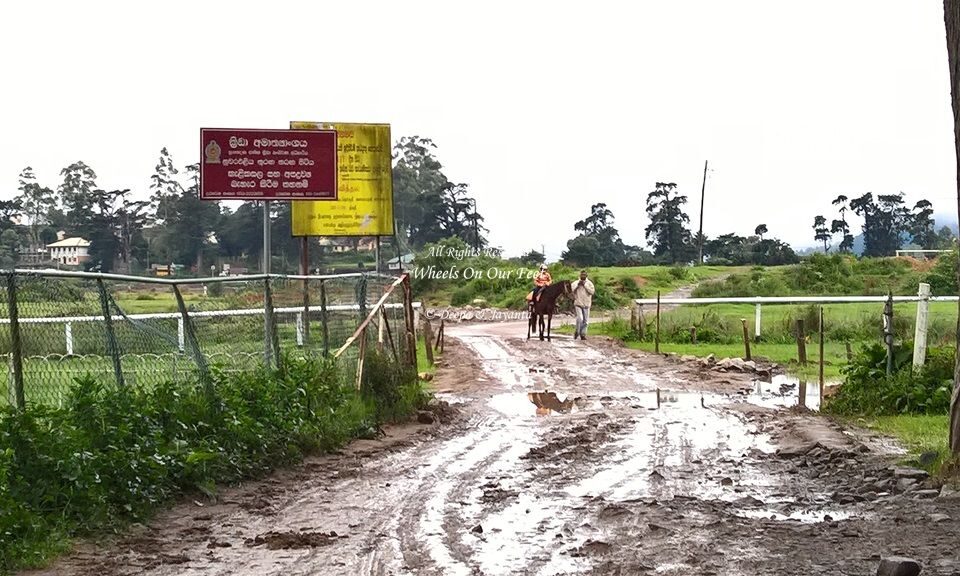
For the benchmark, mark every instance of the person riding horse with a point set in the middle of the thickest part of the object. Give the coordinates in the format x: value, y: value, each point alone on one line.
x: 540, y: 281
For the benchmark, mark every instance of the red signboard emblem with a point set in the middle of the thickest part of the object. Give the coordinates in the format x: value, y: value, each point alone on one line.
x: 268, y: 164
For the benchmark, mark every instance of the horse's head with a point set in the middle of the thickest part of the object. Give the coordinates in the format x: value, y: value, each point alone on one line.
x: 567, y: 289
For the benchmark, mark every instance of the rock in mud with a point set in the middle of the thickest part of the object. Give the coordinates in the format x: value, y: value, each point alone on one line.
x: 913, y: 473
x: 899, y: 566
x: 478, y: 529
x: 425, y: 417
x: 949, y: 492
x: 938, y: 518
x: 926, y: 493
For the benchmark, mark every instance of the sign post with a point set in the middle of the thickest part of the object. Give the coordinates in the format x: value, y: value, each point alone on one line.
x: 266, y: 165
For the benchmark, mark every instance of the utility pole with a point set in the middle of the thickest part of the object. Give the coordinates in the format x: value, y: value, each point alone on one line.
x: 703, y: 190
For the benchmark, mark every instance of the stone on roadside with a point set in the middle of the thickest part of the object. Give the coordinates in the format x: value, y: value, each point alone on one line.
x: 688, y: 358
x: 899, y: 566
x: 938, y: 518
x: 926, y: 494
x: 949, y: 492
x: 425, y: 417
x: 914, y: 473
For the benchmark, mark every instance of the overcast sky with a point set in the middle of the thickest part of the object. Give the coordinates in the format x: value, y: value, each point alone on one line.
x: 543, y: 108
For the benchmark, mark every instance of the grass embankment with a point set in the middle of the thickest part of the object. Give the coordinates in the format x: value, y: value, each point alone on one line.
x: 110, y: 456
x: 918, y: 433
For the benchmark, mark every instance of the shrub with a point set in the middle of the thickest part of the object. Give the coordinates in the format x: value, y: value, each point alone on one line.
x: 868, y: 390
x: 111, y: 456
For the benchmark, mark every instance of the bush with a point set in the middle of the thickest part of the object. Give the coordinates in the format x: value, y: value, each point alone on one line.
x: 868, y: 390
x: 111, y: 456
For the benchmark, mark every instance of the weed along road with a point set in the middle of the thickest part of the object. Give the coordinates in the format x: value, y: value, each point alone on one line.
x: 563, y: 458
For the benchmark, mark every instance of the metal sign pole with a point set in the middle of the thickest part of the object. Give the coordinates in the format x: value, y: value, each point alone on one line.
x: 267, y: 329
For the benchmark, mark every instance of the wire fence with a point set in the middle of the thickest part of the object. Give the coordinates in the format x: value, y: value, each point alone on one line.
x: 58, y: 326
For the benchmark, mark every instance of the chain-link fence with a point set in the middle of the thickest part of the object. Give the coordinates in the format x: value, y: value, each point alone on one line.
x: 58, y: 326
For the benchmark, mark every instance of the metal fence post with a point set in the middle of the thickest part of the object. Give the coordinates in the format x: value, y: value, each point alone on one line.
x: 323, y: 317
x: 300, y: 329
x: 920, y: 334
x: 68, y: 335
x: 180, y: 333
x: 16, y: 344
x: 272, y: 346
x: 187, y: 329
x: 267, y: 324
x: 112, y: 347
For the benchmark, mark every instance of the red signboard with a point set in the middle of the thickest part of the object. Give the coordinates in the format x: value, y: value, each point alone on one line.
x: 268, y: 164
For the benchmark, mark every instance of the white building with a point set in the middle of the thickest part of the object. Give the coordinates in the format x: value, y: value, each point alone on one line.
x: 70, y: 251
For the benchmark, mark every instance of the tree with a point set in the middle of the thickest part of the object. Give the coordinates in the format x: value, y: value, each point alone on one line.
x: 667, y: 232
x: 920, y: 225
x: 841, y: 226
x: 598, y: 242
x: 533, y: 258
x: 76, y: 195
x: 760, y: 230
x: 35, y: 201
x: 582, y: 251
x: 186, y: 222
x: 821, y: 232
x: 164, y: 186
x: 884, y: 222
x: 429, y: 206
x: 951, y: 17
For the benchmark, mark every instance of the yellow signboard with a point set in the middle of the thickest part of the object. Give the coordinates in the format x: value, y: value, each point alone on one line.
x: 364, y: 204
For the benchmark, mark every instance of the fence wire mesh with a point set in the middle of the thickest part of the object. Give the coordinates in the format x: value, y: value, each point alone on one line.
x: 137, y: 333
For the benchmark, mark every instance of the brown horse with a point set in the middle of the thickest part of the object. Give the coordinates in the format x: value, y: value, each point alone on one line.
x: 546, y: 305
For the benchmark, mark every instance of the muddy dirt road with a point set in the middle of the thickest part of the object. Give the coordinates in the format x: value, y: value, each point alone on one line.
x: 561, y: 462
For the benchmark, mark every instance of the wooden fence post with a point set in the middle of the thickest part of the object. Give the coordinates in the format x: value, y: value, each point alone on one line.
x: 746, y: 340
x: 801, y: 343
x: 693, y: 334
x: 409, y: 319
x: 428, y: 339
x: 888, y: 331
x: 656, y: 337
x: 822, y: 332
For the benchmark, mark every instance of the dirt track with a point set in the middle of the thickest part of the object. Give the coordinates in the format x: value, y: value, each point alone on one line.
x: 591, y: 479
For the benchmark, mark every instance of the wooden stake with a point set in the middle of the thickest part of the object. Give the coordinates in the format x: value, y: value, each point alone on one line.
x: 363, y: 353
x: 746, y: 339
x: 428, y: 339
x: 821, y: 354
x: 801, y: 343
x: 656, y: 338
x: 693, y: 334
x: 386, y: 325
x: 849, y: 352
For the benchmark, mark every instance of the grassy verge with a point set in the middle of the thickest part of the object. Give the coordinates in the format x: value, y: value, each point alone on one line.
x: 918, y: 433
x: 112, y: 456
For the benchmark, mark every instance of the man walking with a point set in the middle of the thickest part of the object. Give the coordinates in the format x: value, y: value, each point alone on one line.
x: 582, y: 298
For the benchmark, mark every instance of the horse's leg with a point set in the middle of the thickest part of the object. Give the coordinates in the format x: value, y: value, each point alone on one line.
x: 549, y: 321
x: 530, y: 324
x: 541, y: 326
